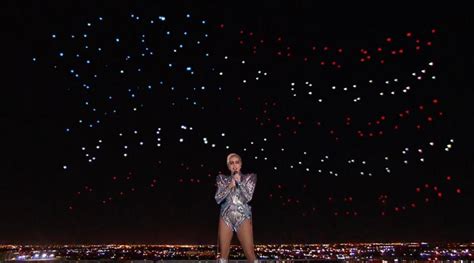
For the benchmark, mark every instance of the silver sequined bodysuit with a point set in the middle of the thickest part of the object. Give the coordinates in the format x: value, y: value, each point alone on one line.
x: 234, y: 209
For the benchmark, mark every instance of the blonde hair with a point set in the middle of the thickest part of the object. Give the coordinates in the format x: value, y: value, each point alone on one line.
x: 232, y: 155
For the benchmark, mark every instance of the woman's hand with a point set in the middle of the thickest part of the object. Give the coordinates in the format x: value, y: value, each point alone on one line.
x: 232, y: 183
x: 237, y: 177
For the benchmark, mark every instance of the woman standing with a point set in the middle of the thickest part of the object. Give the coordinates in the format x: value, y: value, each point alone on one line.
x: 234, y: 191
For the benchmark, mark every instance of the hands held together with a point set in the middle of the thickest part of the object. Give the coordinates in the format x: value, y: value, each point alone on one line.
x: 235, y: 178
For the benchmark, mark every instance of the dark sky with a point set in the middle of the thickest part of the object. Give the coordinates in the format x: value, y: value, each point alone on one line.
x: 358, y: 125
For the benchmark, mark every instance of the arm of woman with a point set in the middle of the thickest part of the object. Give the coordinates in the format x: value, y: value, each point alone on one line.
x: 247, y: 186
x: 223, y: 189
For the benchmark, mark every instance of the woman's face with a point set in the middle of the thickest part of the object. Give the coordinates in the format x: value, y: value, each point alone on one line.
x: 234, y: 164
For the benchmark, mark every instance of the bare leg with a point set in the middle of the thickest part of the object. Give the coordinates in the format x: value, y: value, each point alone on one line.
x: 225, y: 237
x: 245, y: 235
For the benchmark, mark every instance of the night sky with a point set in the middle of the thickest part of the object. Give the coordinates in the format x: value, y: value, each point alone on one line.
x: 119, y: 118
